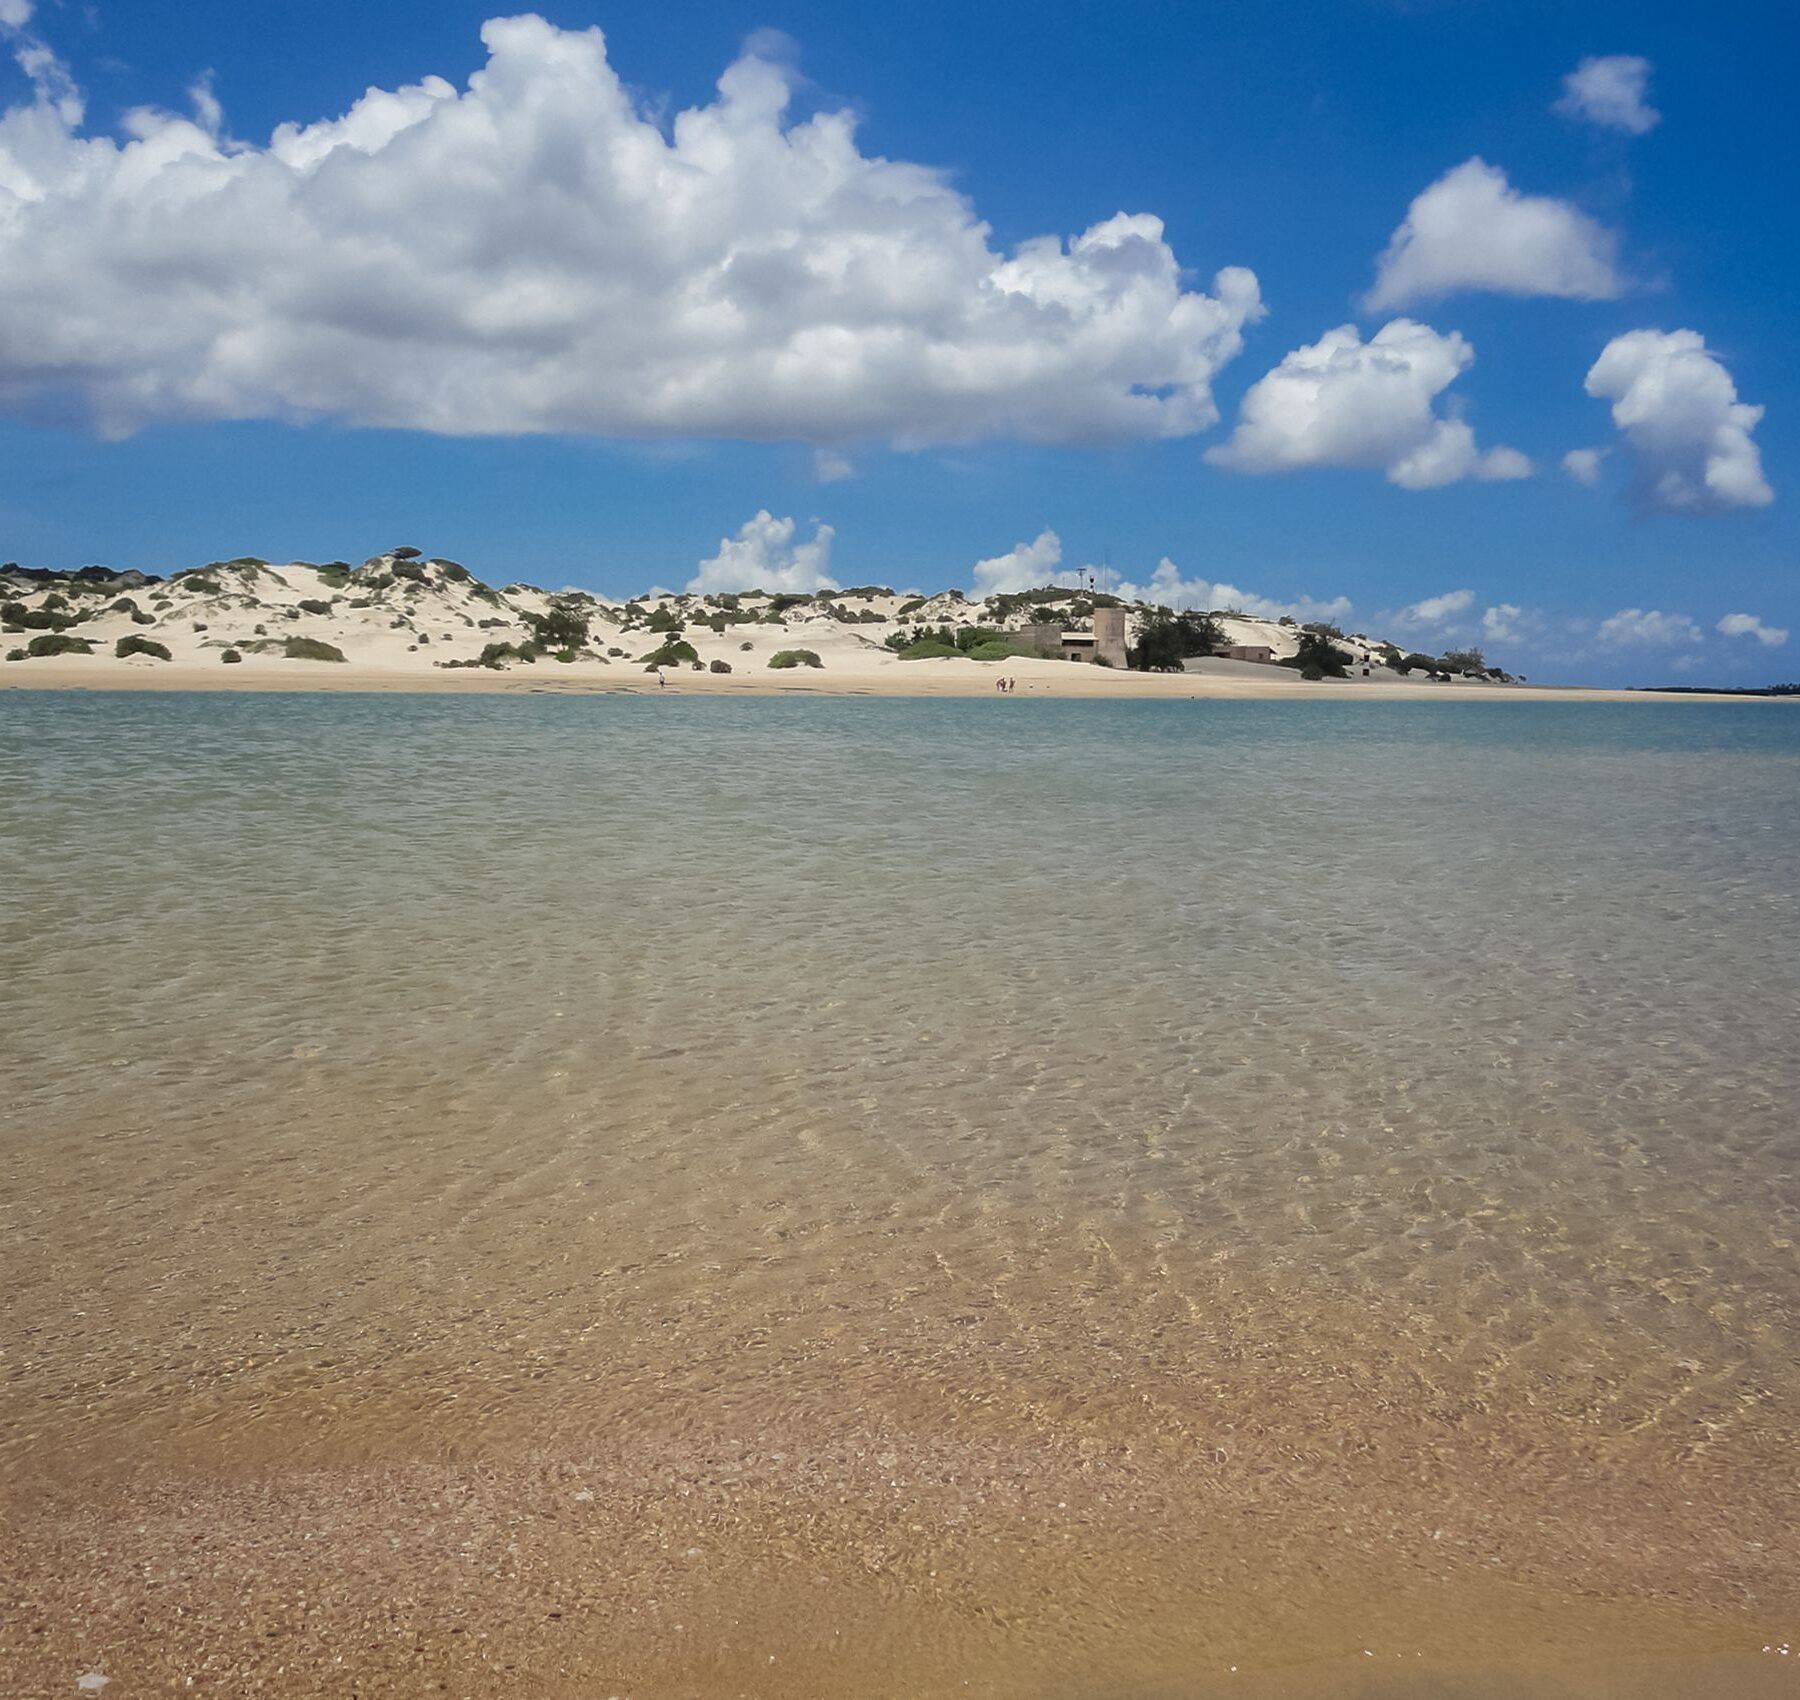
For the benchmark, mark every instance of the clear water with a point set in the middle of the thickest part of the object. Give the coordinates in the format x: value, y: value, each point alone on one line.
x: 880, y: 1198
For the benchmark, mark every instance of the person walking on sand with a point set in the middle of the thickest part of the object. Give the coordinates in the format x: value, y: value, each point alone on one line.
x: 660, y: 680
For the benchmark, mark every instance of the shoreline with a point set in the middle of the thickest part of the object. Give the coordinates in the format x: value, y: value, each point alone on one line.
x: 898, y: 679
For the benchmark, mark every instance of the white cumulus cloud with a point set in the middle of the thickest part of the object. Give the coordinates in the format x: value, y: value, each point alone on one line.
x: 1434, y: 612
x: 1168, y: 588
x: 537, y: 252
x: 1343, y: 402
x: 1609, y: 90
x: 764, y: 556
x: 1748, y: 625
x: 1472, y: 230
x: 1024, y: 566
x: 1505, y: 622
x: 1678, y: 410
x: 1583, y: 465
x: 1647, y: 628
x: 15, y: 14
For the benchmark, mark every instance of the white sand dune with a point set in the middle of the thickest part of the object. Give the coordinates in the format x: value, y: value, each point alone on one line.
x: 401, y: 622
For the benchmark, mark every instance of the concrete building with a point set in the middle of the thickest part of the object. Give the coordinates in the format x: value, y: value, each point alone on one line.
x: 1246, y: 652
x: 1105, y: 643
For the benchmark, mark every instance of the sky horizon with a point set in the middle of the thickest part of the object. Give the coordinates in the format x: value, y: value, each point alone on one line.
x: 1456, y: 322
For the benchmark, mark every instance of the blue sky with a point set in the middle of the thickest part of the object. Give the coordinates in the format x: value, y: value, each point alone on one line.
x: 200, y: 365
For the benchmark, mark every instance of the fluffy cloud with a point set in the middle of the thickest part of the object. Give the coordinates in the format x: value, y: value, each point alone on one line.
x: 1748, y: 625
x: 1647, y: 628
x: 1344, y: 402
x: 1436, y: 611
x: 535, y: 253
x: 1024, y: 566
x: 1167, y: 588
x: 1583, y: 465
x: 1505, y: 622
x: 1678, y: 410
x: 1609, y: 91
x: 830, y: 467
x: 15, y: 14
x: 764, y: 556
x: 1472, y: 230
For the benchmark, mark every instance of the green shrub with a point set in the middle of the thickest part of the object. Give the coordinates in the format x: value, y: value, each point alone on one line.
x: 312, y: 605
x: 59, y: 643
x: 455, y: 571
x: 1317, y: 650
x: 15, y: 655
x: 493, y: 654
x: 907, y: 607
x: 746, y: 645
x: 44, y: 619
x: 929, y: 649
x: 407, y: 568
x: 721, y: 667
x: 406, y: 553
x: 1312, y: 671
x: 562, y: 627
x: 135, y: 645
x: 1166, y: 640
x: 142, y: 619
x: 675, y: 651
x: 231, y: 655
x: 565, y: 655
x: 334, y: 575
x: 310, y: 649
x: 783, y: 658
x: 198, y: 585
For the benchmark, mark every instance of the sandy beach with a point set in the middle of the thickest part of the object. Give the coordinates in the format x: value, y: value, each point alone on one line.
x: 855, y: 674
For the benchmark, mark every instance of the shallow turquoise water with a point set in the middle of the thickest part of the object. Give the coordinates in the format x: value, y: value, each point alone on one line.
x: 1197, y: 1077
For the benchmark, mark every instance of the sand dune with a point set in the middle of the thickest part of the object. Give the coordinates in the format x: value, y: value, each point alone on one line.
x: 402, y: 622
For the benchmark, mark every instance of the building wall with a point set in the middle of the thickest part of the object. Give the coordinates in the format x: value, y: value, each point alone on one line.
x: 1109, y: 635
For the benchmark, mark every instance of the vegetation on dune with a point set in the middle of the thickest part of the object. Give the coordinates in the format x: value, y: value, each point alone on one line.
x: 1317, y: 657
x: 17, y: 617
x: 563, y: 627
x: 310, y: 649
x: 721, y: 667
x: 1165, y: 640
x: 135, y: 645
x: 671, y: 654
x: 783, y: 658
x: 231, y: 655
x: 59, y: 643
x: 312, y: 605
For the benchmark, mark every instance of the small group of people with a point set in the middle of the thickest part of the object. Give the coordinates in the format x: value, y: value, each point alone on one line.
x: 1006, y: 684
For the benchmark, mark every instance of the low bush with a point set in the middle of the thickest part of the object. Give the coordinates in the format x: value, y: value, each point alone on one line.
x: 930, y: 649
x: 231, y: 655
x: 721, y: 667
x: 746, y: 645
x: 312, y: 605
x: 673, y: 652
x: 783, y: 658
x: 44, y: 619
x: 59, y: 643
x: 310, y: 649
x: 135, y: 645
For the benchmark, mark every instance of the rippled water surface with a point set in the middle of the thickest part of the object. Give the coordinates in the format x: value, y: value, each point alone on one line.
x: 572, y: 1196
